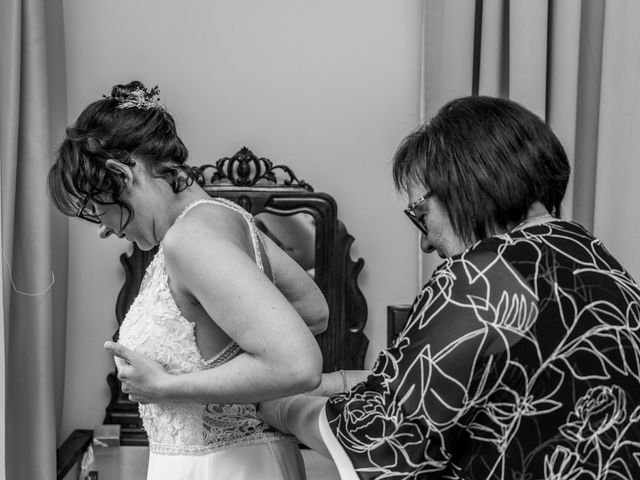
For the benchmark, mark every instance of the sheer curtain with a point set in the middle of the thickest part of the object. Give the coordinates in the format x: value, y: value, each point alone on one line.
x: 32, y: 113
x: 573, y: 62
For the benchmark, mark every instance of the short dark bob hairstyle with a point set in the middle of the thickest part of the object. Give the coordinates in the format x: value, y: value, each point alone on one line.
x: 487, y: 160
x: 104, y: 130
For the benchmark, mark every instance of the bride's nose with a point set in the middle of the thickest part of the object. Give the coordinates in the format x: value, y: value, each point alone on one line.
x: 105, y: 231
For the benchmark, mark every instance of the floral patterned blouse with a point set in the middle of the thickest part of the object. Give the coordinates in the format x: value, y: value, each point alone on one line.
x: 520, y: 361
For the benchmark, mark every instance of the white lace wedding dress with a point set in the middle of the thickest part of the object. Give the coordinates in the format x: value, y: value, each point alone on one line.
x: 191, y: 440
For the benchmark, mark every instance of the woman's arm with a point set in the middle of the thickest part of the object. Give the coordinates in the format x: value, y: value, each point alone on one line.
x: 280, y: 355
x: 339, y: 381
x: 297, y: 415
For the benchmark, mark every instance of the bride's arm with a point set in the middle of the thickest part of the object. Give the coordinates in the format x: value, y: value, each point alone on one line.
x: 280, y: 355
x: 298, y: 287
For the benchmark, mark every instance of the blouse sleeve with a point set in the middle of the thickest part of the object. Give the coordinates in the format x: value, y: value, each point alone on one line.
x: 404, y: 419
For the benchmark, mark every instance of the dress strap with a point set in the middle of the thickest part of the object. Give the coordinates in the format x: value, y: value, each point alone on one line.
x: 255, y: 238
x: 223, y: 356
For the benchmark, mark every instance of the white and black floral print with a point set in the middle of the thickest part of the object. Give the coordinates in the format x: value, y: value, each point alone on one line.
x: 520, y: 360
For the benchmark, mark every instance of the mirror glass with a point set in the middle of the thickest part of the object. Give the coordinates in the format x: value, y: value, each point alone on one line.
x: 295, y: 234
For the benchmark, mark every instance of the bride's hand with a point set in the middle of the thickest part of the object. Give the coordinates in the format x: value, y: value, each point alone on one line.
x: 143, y: 379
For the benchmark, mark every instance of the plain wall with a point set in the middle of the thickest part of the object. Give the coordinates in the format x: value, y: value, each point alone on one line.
x: 328, y: 88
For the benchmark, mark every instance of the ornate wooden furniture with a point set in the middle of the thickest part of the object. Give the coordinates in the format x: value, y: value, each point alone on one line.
x: 259, y: 186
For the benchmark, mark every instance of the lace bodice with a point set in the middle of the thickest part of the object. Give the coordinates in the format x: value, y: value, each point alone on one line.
x: 155, y: 326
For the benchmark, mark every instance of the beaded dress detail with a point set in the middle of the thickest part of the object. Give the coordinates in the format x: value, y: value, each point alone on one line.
x: 155, y: 327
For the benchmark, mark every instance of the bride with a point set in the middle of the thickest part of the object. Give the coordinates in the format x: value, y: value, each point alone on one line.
x: 224, y: 318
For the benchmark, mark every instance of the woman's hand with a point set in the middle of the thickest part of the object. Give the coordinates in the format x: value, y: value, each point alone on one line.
x: 274, y: 412
x: 143, y: 379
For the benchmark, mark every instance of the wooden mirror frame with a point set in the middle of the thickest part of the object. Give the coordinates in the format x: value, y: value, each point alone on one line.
x: 259, y: 186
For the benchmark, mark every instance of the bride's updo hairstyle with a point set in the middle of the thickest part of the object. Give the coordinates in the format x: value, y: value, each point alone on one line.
x: 129, y: 123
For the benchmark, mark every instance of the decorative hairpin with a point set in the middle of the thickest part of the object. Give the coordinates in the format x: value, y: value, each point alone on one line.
x: 140, y: 97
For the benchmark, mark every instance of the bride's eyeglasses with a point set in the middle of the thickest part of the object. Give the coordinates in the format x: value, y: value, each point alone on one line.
x: 410, y: 211
x: 88, y: 213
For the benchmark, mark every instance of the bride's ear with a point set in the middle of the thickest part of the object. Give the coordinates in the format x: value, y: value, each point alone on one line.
x: 120, y: 169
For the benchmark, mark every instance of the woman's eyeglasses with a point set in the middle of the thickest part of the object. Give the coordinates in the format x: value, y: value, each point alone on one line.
x: 410, y: 211
x: 85, y: 213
